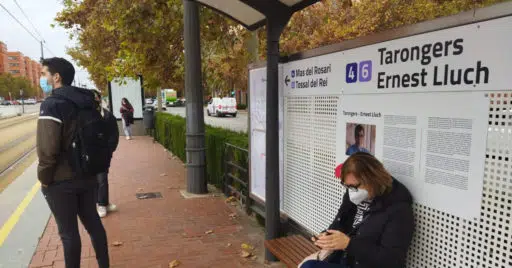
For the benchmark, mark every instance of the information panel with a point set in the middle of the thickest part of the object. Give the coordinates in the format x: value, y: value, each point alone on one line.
x: 427, y: 141
x: 128, y: 88
x: 258, y: 108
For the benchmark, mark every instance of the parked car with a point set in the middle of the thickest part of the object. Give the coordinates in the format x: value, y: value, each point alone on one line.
x: 149, y: 101
x: 222, y: 107
x: 30, y: 101
x: 155, y: 105
x: 5, y: 103
x: 177, y: 103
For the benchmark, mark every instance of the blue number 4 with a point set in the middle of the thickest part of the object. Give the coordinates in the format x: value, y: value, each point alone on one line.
x: 351, y: 72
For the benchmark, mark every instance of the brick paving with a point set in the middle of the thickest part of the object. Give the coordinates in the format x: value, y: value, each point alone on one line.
x: 155, y: 232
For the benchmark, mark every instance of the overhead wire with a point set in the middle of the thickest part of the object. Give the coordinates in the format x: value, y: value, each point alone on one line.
x: 26, y: 29
x: 28, y: 19
x: 19, y: 22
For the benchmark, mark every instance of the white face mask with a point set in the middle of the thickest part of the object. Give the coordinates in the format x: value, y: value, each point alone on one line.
x: 358, y: 196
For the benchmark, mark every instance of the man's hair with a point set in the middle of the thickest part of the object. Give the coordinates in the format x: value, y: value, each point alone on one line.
x: 62, y: 67
x: 369, y: 172
x: 358, y: 129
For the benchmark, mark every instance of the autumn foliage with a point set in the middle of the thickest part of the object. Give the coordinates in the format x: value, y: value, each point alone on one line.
x: 126, y: 38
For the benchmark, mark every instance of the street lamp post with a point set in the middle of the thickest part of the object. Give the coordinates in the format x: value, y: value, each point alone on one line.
x: 22, y: 102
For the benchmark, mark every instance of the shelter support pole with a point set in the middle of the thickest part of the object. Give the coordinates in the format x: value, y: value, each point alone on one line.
x: 195, y: 142
x: 275, y: 26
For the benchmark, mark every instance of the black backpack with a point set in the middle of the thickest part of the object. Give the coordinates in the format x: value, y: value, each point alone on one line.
x: 89, y: 152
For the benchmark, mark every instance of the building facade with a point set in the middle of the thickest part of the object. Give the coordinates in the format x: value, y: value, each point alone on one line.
x: 15, y: 63
x: 3, y: 58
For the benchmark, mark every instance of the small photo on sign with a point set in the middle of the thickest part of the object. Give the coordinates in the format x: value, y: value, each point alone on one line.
x: 360, y: 138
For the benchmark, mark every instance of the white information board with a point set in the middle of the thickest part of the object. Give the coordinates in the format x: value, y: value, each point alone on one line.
x: 130, y: 89
x: 258, y: 106
x: 435, y: 150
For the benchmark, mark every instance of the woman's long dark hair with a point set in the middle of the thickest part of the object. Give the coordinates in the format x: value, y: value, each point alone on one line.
x: 127, y: 103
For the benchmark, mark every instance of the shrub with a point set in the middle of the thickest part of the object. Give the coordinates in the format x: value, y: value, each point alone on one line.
x: 241, y: 106
x: 171, y: 133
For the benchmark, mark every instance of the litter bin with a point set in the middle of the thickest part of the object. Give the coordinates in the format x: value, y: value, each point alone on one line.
x: 149, y: 117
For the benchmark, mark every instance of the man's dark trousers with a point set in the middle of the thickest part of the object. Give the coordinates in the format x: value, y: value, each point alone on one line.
x: 67, y: 200
x: 103, y: 189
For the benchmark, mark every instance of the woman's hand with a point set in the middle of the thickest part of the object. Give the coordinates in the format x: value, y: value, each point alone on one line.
x: 335, y: 241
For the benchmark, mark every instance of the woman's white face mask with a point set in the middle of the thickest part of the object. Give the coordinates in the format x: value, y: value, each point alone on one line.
x: 357, y: 196
x: 356, y: 192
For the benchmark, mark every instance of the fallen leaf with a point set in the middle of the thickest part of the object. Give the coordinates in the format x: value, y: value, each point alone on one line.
x: 247, y: 247
x: 174, y: 158
x: 233, y: 215
x: 254, y: 258
x: 228, y: 245
x: 174, y: 264
x: 245, y: 254
x: 163, y: 175
x: 165, y: 150
x: 231, y: 199
x: 140, y: 190
x: 209, y: 232
x: 117, y: 243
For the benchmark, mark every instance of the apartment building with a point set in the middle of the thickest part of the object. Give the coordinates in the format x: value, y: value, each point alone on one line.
x: 15, y: 63
x: 3, y: 58
x: 36, y: 71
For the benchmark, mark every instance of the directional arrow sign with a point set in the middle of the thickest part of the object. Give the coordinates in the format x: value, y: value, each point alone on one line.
x: 286, y: 80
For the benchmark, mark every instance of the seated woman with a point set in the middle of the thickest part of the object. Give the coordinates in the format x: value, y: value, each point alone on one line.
x: 374, y: 225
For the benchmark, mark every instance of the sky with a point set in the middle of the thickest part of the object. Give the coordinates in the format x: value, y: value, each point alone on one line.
x: 42, y: 14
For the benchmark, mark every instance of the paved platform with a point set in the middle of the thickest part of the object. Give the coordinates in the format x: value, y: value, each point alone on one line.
x: 198, y: 232
x: 23, y: 217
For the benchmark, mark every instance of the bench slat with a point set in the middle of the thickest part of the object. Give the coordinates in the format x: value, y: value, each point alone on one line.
x: 307, y: 247
x: 273, y: 248
x: 291, y: 250
x: 299, y: 246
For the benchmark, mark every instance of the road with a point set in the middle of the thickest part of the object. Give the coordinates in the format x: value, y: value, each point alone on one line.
x: 238, y: 123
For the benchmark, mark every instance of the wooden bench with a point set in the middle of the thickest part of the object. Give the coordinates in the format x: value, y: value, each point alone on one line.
x: 291, y: 250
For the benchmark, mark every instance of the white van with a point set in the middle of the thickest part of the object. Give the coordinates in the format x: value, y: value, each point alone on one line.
x: 222, y: 107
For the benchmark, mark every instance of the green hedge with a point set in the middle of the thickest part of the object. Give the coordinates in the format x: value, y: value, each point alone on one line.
x: 170, y: 132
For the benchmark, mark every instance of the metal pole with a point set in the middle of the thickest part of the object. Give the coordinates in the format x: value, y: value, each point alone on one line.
x: 275, y: 26
x: 22, y: 102
x: 42, y: 54
x: 196, y: 158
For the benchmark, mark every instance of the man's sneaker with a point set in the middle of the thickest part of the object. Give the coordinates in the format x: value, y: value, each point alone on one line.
x: 111, y: 207
x: 102, y: 211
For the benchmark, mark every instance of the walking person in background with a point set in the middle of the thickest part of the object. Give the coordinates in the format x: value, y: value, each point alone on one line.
x: 68, y: 185
x: 104, y: 205
x: 127, y: 115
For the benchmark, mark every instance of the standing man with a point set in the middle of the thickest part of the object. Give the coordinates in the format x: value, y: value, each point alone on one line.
x: 104, y: 204
x: 68, y: 195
